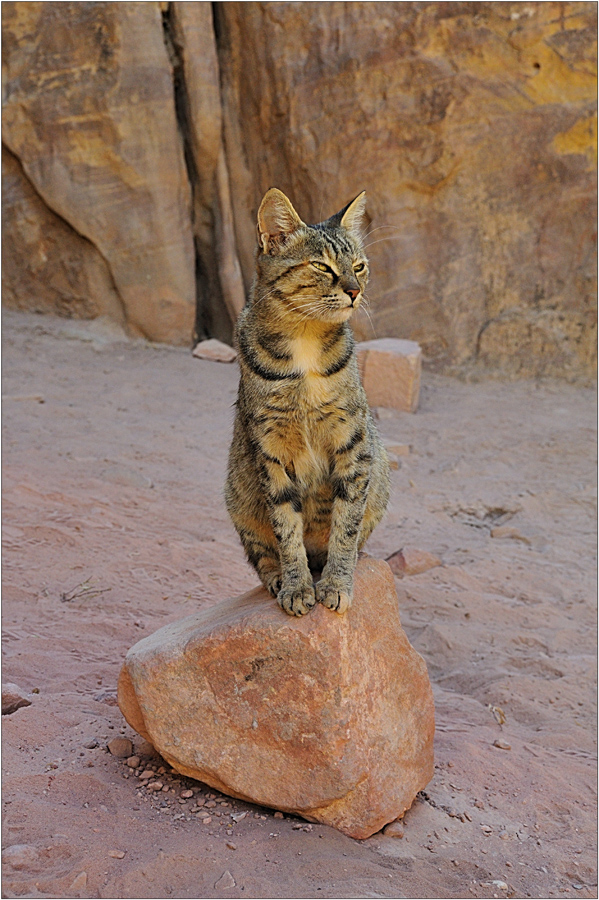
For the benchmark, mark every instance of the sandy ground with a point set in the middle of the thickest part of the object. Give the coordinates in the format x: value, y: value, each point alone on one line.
x: 114, y: 524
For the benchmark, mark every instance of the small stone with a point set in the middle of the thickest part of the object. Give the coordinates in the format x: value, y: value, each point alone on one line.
x: 79, y: 884
x: 394, y: 830
x: 146, y: 774
x: 508, y: 532
x: 117, y: 854
x: 13, y: 698
x: 397, y: 449
x: 155, y: 786
x: 20, y: 856
x: 133, y: 762
x: 207, y: 820
x: 411, y: 561
x: 120, y: 747
x: 145, y: 748
x: 278, y: 815
x: 200, y: 801
x: 479, y: 804
x: 486, y: 828
x: 187, y: 794
x: 237, y: 817
x: 91, y: 744
x: 215, y: 350
x: 501, y: 744
x: 225, y: 882
x: 231, y: 845
x: 210, y: 804
x: 165, y: 789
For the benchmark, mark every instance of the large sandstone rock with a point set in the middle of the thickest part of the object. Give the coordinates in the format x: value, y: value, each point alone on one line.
x: 472, y: 128
x: 89, y: 112
x: 324, y: 716
x: 46, y: 265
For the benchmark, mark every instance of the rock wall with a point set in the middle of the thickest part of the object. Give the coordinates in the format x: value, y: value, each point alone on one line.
x: 152, y: 131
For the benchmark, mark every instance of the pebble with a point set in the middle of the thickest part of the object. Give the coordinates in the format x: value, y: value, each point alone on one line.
x: 207, y: 820
x: 13, y: 698
x: 120, y: 747
x: 479, y: 804
x: 231, y: 845
x: 79, y: 884
x: 394, y: 829
x: 155, y: 786
x: 279, y: 815
x: 145, y: 748
x: 237, y: 817
x: 503, y: 745
x: 187, y: 794
x: 19, y: 856
x: 225, y: 881
x: 210, y: 804
x: 91, y: 744
x: 200, y: 802
x: 149, y: 773
x: 117, y: 854
x: 133, y: 762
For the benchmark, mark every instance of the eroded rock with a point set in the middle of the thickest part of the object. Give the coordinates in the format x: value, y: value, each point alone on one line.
x: 325, y: 717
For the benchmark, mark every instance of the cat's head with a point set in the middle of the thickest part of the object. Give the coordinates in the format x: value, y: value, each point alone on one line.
x: 316, y: 271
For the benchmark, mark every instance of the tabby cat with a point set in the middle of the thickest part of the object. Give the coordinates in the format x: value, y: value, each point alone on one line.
x: 308, y: 476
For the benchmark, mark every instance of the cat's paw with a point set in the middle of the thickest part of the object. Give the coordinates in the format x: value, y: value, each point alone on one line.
x: 297, y: 600
x: 272, y: 583
x: 334, y: 595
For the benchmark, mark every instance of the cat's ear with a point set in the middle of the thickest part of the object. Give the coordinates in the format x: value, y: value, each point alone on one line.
x: 277, y: 221
x: 351, y: 217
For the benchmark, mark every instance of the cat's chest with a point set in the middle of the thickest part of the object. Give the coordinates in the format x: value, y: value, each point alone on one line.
x: 314, y: 388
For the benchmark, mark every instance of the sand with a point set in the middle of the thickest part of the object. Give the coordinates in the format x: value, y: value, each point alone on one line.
x: 114, y: 524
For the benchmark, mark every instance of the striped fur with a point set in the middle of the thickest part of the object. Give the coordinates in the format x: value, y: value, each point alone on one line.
x: 308, y: 476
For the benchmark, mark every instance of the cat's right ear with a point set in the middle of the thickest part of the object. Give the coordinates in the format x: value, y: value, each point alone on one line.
x: 277, y: 221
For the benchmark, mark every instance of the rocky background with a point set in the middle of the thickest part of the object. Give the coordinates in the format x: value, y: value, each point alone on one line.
x: 138, y: 139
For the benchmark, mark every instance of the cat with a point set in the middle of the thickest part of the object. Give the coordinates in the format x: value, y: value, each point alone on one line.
x: 308, y: 476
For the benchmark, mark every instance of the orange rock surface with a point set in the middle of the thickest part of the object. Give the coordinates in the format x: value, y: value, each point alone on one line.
x: 330, y: 718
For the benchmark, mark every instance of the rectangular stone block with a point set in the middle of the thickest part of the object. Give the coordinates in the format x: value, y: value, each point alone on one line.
x: 390, y: 371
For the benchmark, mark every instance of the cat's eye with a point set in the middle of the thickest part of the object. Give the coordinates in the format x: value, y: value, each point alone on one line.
x: 321, y: 266
x: 359, y: 267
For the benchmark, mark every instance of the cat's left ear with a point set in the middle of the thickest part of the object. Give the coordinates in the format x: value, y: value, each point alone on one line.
x: 352, y: 216
x: 277, y: 220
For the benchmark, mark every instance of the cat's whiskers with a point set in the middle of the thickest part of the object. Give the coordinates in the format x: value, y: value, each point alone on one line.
x: 378, y: 228
x: 380, y: 240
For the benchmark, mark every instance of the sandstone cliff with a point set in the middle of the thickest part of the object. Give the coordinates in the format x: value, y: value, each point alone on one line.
x: 147, y: 134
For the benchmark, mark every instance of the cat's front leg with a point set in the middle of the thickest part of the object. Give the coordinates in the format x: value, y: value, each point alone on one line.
x: 296, y: 593
x: 350, y: 490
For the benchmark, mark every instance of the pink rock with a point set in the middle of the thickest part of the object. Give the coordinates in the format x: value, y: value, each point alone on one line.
x: 390, y: 370
x: 215, y: 350
x: 13, y: 698
x: 322, y: 716
x: 410, y: 561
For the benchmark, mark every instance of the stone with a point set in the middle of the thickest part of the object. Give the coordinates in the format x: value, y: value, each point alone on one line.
x: 79, y: 883
x: 20, y: 856
x: 502, y: 744
x: 508, y: 532
x: 394, y: 830
x: 120, y: 747
x: 215, y: 350
x: 390, y: 370
x: 13, y: 698
x: 133, y: 762
x: 225, y: 882
x: 117, y: 854
x: 89, y: 112
x: 326, y: 717
x: 411, y: 561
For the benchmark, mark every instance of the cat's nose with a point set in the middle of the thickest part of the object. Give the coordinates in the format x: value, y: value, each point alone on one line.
x: 352, y: 291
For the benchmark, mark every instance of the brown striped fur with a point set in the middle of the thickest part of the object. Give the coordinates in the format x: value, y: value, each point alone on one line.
x: 308, y: 476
